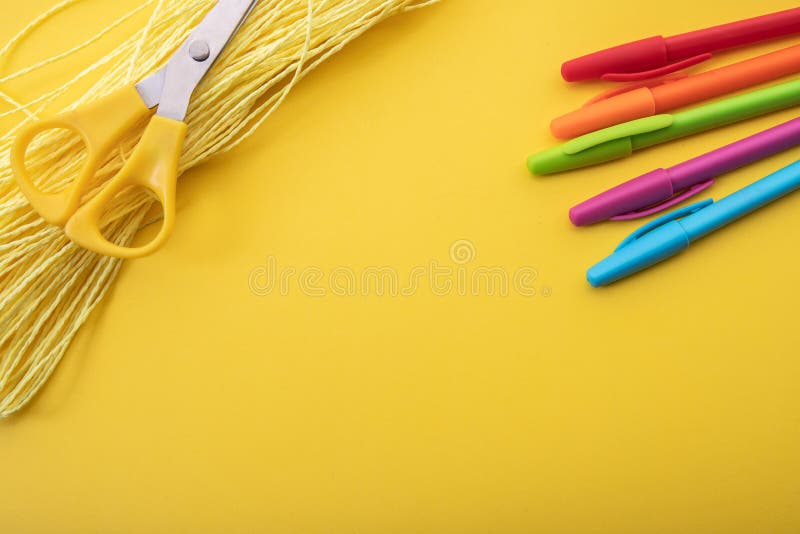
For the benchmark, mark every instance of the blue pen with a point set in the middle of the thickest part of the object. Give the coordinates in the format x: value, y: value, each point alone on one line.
x: 672, y: 233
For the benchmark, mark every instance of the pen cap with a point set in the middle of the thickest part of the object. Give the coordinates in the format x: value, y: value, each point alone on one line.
x: 637, y: 56
x: 646, y: 190
x: 556, y: 159
x: 653, y: 247
x: 617, y: 109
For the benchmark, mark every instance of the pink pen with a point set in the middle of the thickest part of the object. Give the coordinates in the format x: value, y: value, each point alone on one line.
x: 662, y: 188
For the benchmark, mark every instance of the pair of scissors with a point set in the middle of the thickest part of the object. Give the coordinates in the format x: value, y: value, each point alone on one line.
x: 153, y: 164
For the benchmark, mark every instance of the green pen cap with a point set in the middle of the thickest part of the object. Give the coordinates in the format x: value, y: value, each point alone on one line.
x: 623, y: 139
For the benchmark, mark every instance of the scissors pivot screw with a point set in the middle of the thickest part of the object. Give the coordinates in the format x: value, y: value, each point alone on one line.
x: 199, y: 51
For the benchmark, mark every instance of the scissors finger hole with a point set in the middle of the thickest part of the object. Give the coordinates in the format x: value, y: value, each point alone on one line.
x: 131, y: 209
x: 55, y: 158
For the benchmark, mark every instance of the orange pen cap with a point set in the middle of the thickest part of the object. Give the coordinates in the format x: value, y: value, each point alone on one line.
x: 602, y: 113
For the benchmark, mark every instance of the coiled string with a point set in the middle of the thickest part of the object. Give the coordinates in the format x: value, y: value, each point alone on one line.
x: 48, y: 286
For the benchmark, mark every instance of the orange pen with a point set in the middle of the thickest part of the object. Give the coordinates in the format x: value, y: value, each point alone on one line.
x: 658, y: 96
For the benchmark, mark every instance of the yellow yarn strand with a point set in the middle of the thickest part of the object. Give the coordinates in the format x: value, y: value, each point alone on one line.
x: 49, y: 286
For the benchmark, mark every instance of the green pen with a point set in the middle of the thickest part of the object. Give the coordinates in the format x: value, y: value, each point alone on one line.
x: 621, y: 140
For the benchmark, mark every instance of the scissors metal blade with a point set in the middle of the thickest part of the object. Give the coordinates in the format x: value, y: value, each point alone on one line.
x: 194, y: 58
x: 150, y: 88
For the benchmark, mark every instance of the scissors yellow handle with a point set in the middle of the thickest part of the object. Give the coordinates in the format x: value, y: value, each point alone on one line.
x: 100, y: 125
x: 153, y: 165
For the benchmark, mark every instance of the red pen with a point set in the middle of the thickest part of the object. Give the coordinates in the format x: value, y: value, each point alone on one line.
x: 658, y: 55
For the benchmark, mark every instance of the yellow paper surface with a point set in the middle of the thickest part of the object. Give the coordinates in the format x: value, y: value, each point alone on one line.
x: 204, y: 395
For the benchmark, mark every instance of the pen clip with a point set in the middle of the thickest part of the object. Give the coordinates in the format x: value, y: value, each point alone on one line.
x: 616, y: 91
x: 671, y: 201
x: 664, y: 219
x: 618, y: 131
x: 660, y: 71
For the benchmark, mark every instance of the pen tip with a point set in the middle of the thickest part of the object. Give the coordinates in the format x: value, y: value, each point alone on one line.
x: 575, y: 216
x: 593, y: 279
x: 531, y: 163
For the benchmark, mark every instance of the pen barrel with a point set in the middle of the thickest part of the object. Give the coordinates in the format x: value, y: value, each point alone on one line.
x: 742, y: 202
x: 726, y: 79
x: 735, y: 155
x: 731, y: 35
x: 727, y: 111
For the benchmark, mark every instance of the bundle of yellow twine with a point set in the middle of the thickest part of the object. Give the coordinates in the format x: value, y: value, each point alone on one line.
x: 48, y: 286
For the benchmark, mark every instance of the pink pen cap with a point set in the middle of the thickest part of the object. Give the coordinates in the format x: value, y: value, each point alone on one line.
x: 656, y: 190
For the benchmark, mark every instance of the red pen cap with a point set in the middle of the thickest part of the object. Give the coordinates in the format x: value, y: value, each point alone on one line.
x: 638, y: 56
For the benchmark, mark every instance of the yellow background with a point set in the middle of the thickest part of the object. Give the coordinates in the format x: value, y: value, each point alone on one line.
x: 666, y: 403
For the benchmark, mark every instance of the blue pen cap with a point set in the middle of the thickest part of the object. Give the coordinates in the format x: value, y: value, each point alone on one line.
x: 639, y: 253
